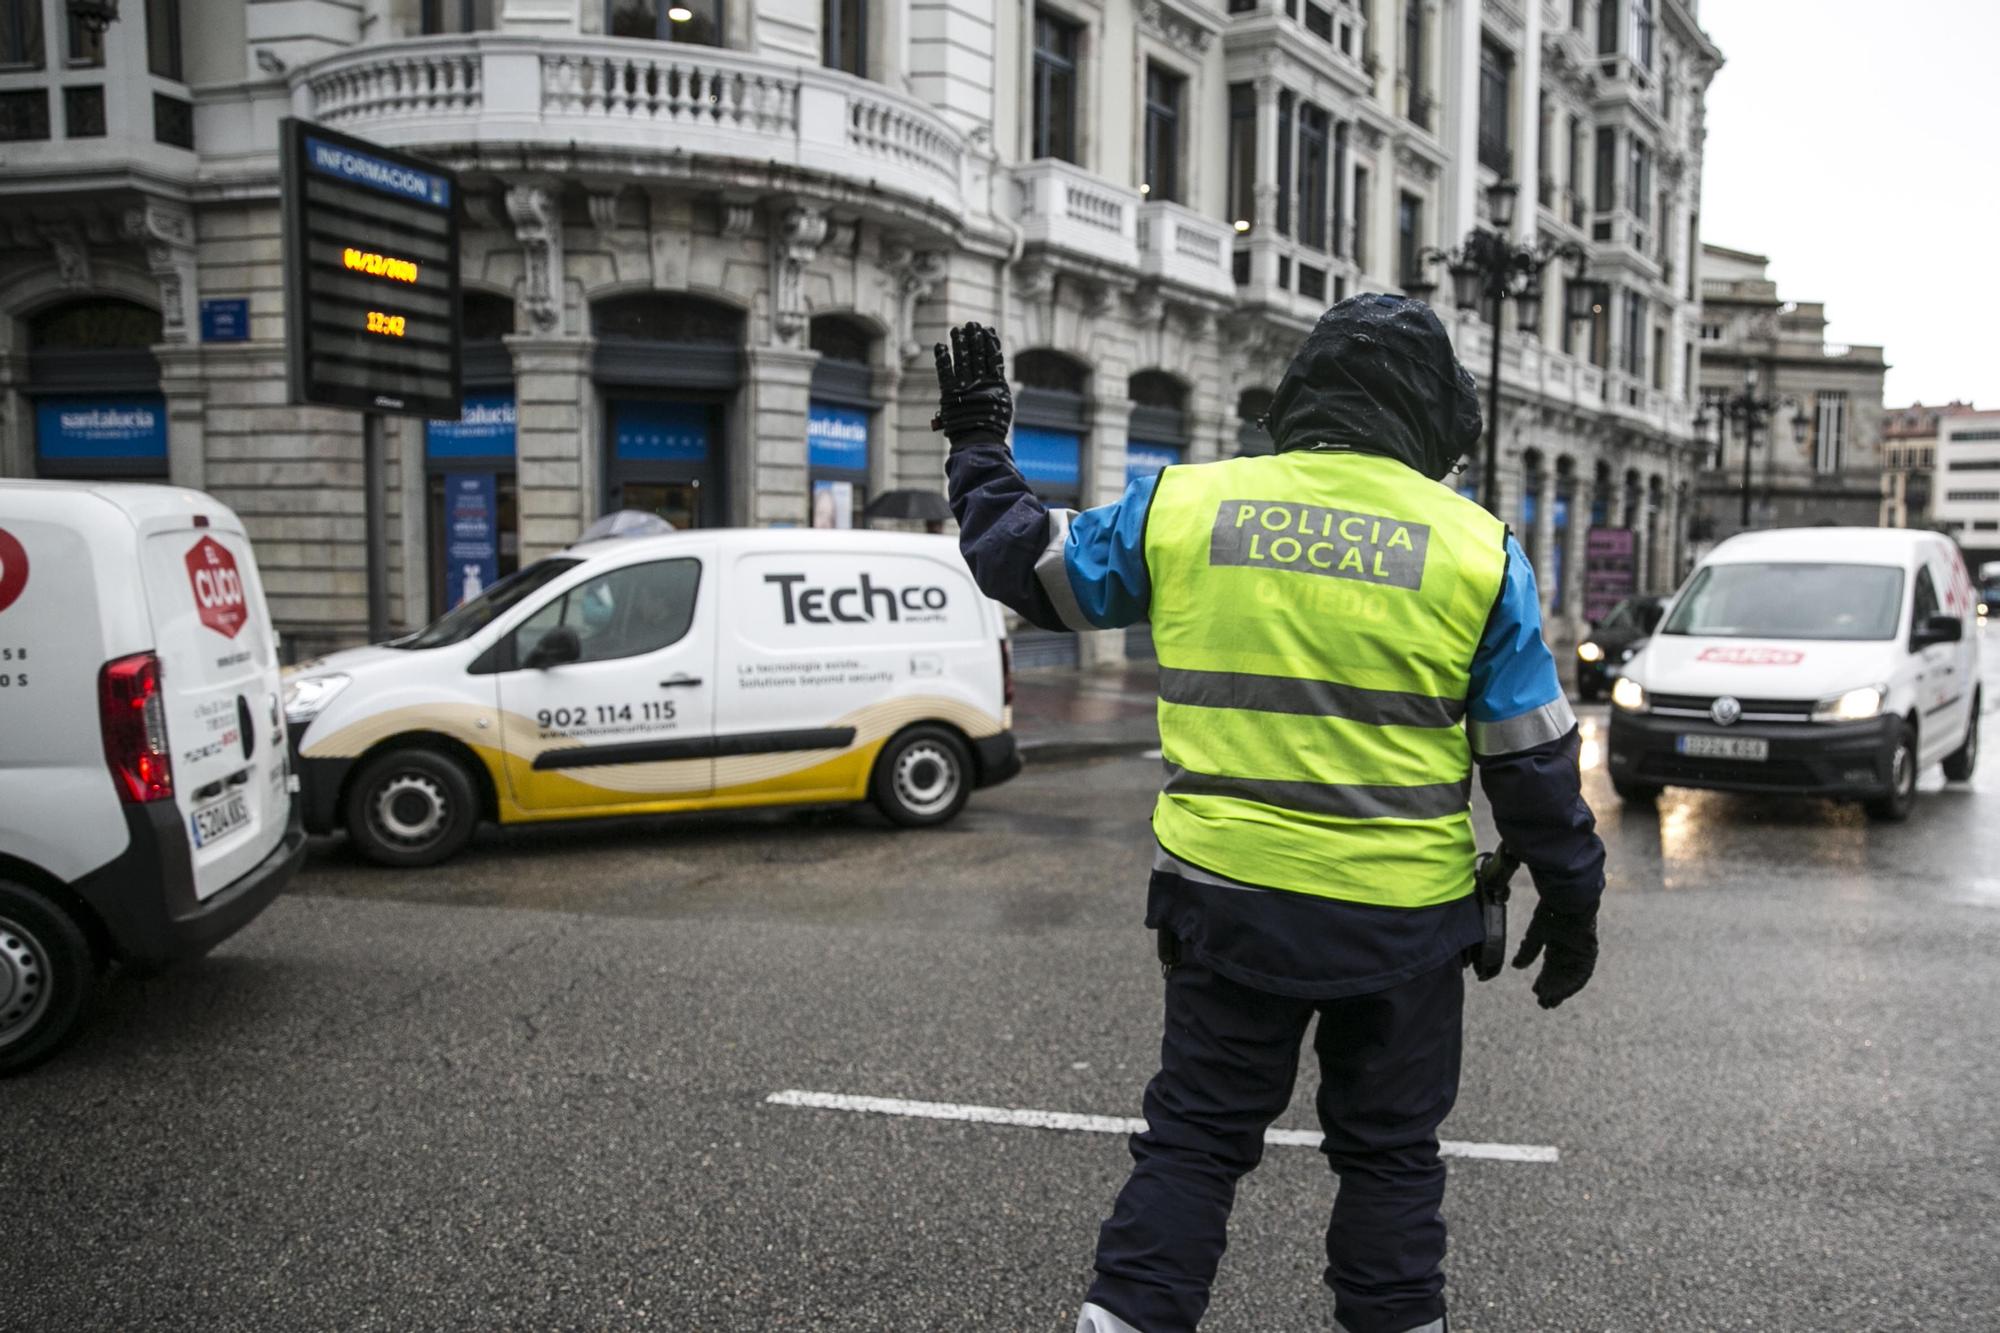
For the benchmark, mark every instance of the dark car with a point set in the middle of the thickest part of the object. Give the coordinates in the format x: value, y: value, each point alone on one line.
x: 1613, y: 641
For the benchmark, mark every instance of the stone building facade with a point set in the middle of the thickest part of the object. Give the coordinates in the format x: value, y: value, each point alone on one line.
x: 1827, y: 470
x: 706, y: 246
x: 1910, y: 460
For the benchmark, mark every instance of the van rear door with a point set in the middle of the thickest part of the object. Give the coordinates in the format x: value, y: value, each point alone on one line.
x: 219, y: 678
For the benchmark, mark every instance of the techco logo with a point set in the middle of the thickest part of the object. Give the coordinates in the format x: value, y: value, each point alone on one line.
x: 860, y: 604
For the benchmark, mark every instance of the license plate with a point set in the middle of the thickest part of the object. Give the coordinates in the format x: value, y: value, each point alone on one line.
x: 1751, y: 748
x: 217, y: 821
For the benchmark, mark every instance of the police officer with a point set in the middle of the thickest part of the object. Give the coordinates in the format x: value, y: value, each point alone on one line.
x: 1340, y: 637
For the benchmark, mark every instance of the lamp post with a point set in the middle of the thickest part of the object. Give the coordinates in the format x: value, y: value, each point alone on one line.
x: 1489, y: 266
x: 1750, y: 412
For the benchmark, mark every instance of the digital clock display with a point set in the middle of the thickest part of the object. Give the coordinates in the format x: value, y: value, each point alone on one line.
x: 372, y: 292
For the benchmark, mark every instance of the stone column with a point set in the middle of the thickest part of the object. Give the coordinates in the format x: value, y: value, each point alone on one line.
x: 1543, y: 483
x: 1101, y: 482
x: 770, y: 486
x: 557, y: 447
x: 1635, y: 519
x: 184, y: 384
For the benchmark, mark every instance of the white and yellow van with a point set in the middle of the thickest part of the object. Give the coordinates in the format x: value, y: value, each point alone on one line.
x: 700, y: 670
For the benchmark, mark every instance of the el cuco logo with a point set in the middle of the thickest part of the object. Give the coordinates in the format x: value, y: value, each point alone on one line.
x: 13, y: 569
x: 218, y: 587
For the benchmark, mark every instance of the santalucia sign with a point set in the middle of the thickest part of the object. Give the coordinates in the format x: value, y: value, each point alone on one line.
x: 1310, y: 539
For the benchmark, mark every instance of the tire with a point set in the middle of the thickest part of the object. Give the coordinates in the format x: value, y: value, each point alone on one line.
x: 48, y: 977
x: 1635, y: 793
x: 412, y: 807
x: 922, y: 777
x: 1958, y: 765
x: 1894, y: 806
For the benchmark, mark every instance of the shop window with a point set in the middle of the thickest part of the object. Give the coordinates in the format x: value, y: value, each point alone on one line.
x: 1253, y: 435
x: 695, y: 21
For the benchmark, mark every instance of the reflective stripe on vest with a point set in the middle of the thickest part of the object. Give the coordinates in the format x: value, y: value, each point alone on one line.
x: 1315, y: 617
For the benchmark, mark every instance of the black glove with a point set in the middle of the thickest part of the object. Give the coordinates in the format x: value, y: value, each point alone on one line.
x: 974, y: 403
x: 1571, y: 939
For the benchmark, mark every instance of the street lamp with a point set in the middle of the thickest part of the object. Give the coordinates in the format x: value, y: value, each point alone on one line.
x: 1749, y: 412
x: 1489, y: 266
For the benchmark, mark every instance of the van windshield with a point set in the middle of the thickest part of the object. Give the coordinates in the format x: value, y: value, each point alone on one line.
x: 1790, y: 601
x: 468, y: 618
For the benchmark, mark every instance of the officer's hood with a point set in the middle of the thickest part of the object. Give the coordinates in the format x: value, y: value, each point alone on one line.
x: 1377, y: 375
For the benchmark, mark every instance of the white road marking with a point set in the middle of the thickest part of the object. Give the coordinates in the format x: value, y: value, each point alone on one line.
x: 1105, y: 1124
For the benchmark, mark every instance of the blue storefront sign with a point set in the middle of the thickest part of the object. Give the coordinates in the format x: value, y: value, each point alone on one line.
x: 484, y: 429
x: 1146, y: 460
x: 225, y: 320
x: 472, y: 535
x: 660, y: 432
x: 837, y: 438
x: 1051, y: 457
x: 120, y: 428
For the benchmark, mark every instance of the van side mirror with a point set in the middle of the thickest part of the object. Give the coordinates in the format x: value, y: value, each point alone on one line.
x: 558, y: 646
x: 1936, y: 630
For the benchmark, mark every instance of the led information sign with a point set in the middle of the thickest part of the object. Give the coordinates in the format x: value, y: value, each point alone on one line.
x: 371, y: 275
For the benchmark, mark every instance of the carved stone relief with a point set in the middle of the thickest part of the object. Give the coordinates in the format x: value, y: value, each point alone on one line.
x: 536, y: 212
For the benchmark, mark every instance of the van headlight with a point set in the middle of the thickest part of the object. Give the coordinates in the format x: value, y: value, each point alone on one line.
x: 1589, y: 652
x: 1853, y: 706
x: 305, y: 696
x: 1628, y: 695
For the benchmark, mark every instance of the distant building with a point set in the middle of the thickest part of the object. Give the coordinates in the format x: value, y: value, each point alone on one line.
x: 1967, y: 500
x: 1831, y: 471
x: 1909, y: 461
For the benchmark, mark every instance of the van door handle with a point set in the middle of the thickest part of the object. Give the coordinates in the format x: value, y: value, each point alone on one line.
x: 678, y: 682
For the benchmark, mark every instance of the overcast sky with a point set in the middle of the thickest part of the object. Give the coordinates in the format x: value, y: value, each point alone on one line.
x: 1857, y: 143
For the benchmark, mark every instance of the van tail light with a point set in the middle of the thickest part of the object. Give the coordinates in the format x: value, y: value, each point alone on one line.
x: 135, y: 728
x: 1007, y: 671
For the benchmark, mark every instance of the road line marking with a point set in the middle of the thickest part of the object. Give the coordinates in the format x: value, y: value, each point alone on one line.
x: 1105, y: 1124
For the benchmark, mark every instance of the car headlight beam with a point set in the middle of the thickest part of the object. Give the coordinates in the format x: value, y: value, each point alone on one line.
x: 1854, y: 706
x: 1589, y: 651
x: 305, y: 696
x: 1628, y: 695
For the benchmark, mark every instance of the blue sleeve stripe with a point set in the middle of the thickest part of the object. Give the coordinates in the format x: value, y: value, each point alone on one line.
x: 1513, y: 673
x: 1105, y: 559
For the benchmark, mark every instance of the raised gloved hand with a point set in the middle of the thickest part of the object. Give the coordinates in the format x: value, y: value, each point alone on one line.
x: 974, y: 403
x: 1571, y: 941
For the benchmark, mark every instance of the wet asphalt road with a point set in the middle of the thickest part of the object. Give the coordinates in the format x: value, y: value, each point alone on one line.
x: 527, y: 1090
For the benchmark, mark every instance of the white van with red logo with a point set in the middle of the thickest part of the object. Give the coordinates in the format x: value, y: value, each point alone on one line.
x: 145, y: 798
x: 1836, y: 662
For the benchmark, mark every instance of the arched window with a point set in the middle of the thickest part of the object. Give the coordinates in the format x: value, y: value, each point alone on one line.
x: 1051, y: 423
x: 1158, y: 435
x: 95, y: 384
x: 661, y: 317
x: 470, y: 474
x: 840, y: 421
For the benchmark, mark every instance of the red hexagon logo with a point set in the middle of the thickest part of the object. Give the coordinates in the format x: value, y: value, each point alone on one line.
x: 13, y: 569
x: 218, y: 587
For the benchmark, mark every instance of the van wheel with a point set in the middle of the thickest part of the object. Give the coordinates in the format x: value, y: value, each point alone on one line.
x: 1635, y: 793
x: 411, y: 808
x: 1893, y: 807
x: 48, y: 974
x: 1958, y: 765
x: 922, y: 777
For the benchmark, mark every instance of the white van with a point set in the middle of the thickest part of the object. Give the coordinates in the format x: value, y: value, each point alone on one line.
x: 1819, y: 661
x: 699, y: 670
x: 145, y: 808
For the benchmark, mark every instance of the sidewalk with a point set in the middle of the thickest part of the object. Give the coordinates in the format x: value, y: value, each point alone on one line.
x: 1063, y: 714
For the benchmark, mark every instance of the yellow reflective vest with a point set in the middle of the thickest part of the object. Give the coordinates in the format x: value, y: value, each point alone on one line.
x: 1315, y: 616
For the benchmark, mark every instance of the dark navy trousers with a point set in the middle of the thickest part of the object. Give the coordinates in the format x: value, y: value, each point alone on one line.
x: 1388, y: 1076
